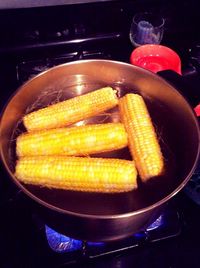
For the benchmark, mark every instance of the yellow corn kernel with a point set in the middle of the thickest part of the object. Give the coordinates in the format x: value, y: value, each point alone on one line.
x: 142, y: 139
x: 72, y: 110
x: 81, y: 140
x: 78, y: 173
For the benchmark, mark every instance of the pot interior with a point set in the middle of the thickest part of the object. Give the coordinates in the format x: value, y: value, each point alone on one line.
x: 172, y: 117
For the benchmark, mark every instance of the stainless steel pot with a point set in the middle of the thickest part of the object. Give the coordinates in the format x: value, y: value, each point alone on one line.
x: 103, y: 217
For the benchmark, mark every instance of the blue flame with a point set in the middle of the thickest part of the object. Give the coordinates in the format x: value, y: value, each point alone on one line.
x: 157, y: 223
x: 96, y: 244
x: 61, y: 243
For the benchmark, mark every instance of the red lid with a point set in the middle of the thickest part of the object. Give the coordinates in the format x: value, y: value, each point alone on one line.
x: 197, y: 110
x: 156, y: 58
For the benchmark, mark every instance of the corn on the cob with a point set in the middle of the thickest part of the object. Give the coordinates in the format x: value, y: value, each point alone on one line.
x: 142, y: 139
x: 72, y: 110
x: 81, y: 140
x: 78, y: 173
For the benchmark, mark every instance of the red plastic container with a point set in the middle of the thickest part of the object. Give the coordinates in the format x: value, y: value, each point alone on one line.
x: 197, y: 110
x: 156, y: 58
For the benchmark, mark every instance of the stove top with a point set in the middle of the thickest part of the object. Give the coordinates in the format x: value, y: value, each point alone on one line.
x: 27, y: 242
x: 172, y: 240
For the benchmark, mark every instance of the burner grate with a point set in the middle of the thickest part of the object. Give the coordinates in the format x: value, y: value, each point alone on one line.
x: 28, y: 69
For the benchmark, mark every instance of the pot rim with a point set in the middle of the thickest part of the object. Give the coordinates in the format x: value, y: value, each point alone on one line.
x: 94, y: 216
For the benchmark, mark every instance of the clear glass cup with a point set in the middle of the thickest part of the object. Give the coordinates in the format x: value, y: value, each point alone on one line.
x: 146, y: 28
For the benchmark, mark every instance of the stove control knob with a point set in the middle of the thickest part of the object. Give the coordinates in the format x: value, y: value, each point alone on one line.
x: 79, y: 29
x: 65, y: 32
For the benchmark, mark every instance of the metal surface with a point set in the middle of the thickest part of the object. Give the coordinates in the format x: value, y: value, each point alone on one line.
x: 102, y: 217
x: 43, y: 3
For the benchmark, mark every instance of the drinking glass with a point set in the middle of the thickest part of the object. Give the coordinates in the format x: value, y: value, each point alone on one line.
x: 146, y: 28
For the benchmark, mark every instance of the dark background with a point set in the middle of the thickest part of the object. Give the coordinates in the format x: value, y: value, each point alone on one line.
x: 27, y: 33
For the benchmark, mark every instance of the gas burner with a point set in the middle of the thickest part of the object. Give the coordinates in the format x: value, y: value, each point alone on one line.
x: 168, y: 225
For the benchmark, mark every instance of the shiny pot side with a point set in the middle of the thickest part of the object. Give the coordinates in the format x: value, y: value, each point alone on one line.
x: 105, y: 217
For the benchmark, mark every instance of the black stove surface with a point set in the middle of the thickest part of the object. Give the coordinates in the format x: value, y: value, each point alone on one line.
x: 24, y: 242
x: 27, y: 49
